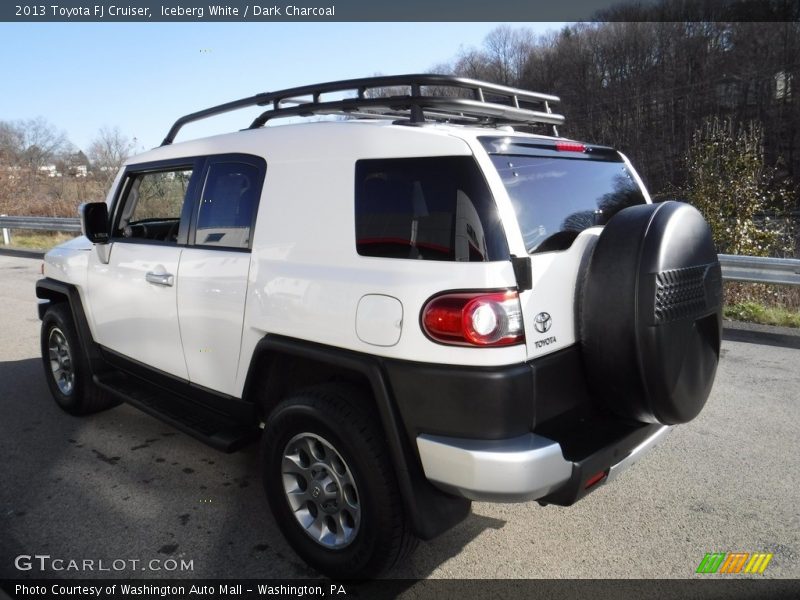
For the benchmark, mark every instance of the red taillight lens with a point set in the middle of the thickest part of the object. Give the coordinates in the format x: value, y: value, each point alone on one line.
x: 595, y: 479
x: 570, y: 147
x: 474, y: 319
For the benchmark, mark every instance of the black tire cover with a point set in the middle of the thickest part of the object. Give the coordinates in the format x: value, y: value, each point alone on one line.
x: 650, y: 317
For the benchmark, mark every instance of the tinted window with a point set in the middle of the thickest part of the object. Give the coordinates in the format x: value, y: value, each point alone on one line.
x: 228, y: 205
x: 426, y: 208
x: 153, y: 204
x: 556, y: 197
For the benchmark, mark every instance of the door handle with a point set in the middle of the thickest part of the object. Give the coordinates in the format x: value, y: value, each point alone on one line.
x: 160, y: 278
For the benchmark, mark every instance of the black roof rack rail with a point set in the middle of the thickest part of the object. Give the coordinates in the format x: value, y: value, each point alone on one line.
x: 486, y: 104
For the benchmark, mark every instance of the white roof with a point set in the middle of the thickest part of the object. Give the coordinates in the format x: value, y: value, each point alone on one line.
x: 333, y: 140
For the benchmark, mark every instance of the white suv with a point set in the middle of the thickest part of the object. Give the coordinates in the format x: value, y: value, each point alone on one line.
x: 418, y: 304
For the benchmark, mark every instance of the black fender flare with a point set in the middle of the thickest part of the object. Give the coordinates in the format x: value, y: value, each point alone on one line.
x: 53, y: 291
x: 430, y: 510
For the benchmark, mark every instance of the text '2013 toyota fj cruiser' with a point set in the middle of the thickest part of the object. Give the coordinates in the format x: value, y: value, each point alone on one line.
x: 419, y: 305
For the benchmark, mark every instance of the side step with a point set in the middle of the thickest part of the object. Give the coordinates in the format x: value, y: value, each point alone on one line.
x: 210, y: 427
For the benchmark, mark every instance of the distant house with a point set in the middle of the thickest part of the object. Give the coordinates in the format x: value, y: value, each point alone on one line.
x: 76, y: 164
x: 50, y: 170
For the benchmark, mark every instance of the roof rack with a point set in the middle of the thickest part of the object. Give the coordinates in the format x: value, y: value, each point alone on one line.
x: 441, y: 98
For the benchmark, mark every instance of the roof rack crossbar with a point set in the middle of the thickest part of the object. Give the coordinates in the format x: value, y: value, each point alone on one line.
x: 413, y: 106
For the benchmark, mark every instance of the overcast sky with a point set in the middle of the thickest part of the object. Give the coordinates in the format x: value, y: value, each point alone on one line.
x: 142, y: 76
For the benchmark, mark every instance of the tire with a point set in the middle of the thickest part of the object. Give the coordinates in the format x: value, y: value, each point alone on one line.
x: 651, y: 313
x: 66, y: 368
x: 323, y: 449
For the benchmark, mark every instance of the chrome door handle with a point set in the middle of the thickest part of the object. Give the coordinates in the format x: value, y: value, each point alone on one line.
x: 160, y: 278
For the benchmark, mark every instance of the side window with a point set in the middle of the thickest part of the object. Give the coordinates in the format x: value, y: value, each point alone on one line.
x: 152, y: 205
x: 228, y: 205
x: 437, y: 208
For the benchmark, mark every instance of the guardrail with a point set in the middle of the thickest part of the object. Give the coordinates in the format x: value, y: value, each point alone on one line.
x: 759, y: 269
x: 37, y: 224
x: 756, y: 269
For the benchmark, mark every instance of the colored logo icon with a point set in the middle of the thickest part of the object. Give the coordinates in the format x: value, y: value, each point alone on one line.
x: 734, y: 562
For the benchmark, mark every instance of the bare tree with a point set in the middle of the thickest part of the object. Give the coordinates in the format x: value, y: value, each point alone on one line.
x: 646, y: 85
x: 442, y: 68
x: 472, y: 63
x: 11, y: 141
x: 109, y: 151
x: 41, y: 143
x: 31, y: 143
x: 507, y: 51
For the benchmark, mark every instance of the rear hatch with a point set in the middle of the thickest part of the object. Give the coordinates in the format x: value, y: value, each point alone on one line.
x: 558, y: 190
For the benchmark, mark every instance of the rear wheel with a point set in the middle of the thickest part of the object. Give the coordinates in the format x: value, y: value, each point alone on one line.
x: 331, y: 486
x: 66, y: 369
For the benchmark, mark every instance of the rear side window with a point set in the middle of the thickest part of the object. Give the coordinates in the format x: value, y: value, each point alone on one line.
x: 228, y: 204
x: 437, y: 208
x: 556, y: 195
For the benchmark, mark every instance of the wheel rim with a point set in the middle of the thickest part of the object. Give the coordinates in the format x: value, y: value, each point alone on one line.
x: 321, y: 490
x: 61, y: 361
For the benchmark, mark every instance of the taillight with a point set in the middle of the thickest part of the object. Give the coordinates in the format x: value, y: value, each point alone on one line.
x: 570, y: 147
x: 474, y: 319
x: 595, y: 479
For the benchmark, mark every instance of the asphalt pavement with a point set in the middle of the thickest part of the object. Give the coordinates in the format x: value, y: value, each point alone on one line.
x: 121, y: 485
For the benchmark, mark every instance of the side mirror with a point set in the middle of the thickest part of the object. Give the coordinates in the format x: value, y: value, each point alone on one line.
x: 94, y: 222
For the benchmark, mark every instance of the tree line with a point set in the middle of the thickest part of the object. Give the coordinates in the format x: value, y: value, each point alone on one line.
x: 647, y: 88
x: 43, y: 173
x: 675, y: 92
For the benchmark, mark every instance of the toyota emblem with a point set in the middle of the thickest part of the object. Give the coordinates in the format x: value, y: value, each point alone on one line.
x: 542, y: 322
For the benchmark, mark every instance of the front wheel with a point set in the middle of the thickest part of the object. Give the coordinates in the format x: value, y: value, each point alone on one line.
x: 331, y: 486
x: 65, y: 366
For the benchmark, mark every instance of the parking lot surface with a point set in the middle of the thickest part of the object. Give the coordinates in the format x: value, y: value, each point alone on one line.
x: 122, y: 485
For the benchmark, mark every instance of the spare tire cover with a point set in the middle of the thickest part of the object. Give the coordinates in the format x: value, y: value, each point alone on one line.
x: 650, y: 314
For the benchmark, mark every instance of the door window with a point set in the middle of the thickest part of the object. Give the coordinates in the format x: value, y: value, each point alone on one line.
x: 152, y: 206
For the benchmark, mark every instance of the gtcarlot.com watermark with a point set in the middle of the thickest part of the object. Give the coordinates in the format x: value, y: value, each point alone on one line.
x: 46, y: 563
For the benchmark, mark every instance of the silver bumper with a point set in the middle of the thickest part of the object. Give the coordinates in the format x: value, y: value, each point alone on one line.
x: 513, y: 470
x: 637, y: 453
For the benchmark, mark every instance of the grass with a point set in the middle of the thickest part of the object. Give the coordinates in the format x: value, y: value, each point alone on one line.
x: 38, y: 241
x: 753, y: 312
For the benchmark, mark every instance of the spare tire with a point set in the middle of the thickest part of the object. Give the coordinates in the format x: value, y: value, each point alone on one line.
x: 650, y: 316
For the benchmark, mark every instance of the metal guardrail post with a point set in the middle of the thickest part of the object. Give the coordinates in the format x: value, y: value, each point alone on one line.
x: 6, y: 234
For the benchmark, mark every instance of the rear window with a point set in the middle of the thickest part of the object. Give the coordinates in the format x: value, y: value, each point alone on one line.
x: 556, y: 195
x: 437, y: 208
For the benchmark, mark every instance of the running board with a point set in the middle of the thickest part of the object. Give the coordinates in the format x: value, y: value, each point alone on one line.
x: 214, y: 429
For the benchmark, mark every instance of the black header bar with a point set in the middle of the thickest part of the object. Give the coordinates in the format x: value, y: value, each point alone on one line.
x: 405, y: 11
x: 736, y: 587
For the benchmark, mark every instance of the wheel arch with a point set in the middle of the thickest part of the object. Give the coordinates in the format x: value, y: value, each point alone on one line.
x: 281, y: 365
x: 50, y: 292
x: 49, y: 295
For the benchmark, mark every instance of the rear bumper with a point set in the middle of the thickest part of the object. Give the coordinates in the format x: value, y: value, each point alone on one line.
x: 638, y: 452
x: 530, y: 466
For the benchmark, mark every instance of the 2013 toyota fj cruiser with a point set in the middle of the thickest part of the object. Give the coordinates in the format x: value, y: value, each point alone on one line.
x: 419, y: 305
